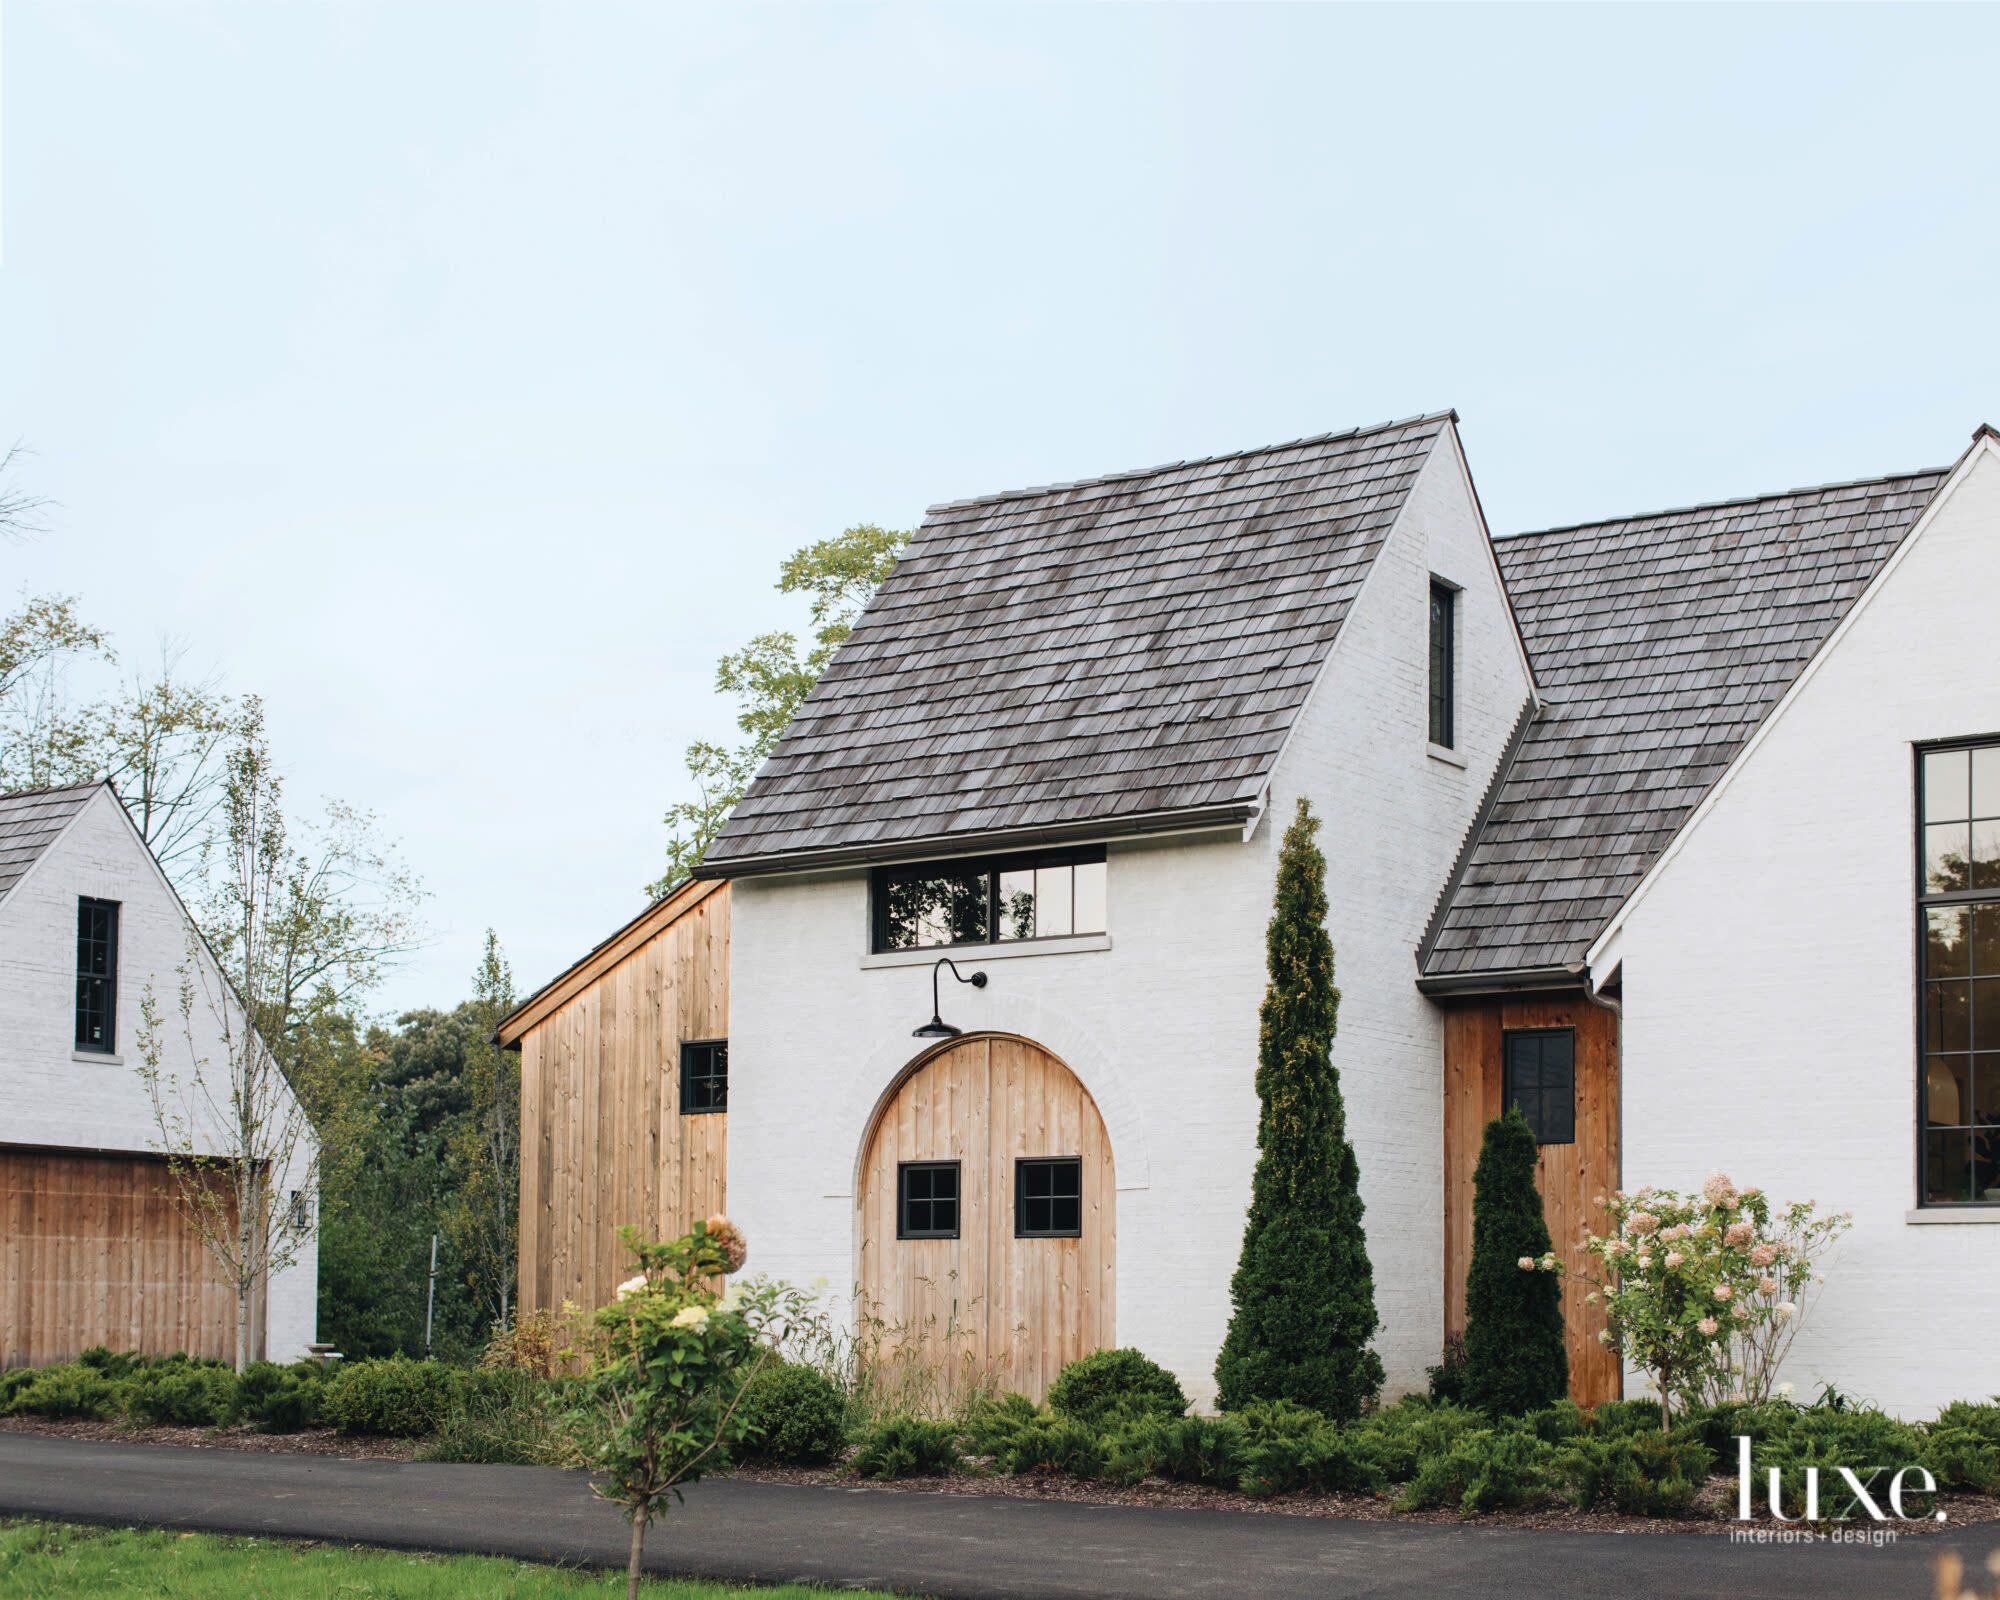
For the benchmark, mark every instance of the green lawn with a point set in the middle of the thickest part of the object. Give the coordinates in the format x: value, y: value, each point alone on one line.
x: 53, y: 1559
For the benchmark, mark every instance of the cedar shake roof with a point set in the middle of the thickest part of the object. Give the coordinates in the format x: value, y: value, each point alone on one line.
x: 1659, y: 644
x: 1118, y: 655
x: 30, y: 821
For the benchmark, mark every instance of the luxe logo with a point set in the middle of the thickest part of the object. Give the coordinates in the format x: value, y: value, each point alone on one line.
x: 1744, y: 1496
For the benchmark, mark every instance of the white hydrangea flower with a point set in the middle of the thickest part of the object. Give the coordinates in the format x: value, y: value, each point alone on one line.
x: 691, y: 1317
x: 632, y: 1286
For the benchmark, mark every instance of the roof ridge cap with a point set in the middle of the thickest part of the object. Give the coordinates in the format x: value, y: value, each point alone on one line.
x: 1718, y: 505
x: 1037, y: 490
x: 52, y: 788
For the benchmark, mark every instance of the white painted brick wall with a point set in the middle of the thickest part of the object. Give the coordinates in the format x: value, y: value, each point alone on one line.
x: 47, y: 1096
x: 1770, y: 975
x: 1162, y: 1027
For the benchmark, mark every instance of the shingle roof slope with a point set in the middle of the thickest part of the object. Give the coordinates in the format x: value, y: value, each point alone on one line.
x: 30, y: 819
x: 1659, y: 642
x: 1083, y: 655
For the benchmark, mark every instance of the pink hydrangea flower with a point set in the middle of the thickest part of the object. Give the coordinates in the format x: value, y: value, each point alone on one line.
x: 1721, y: 1291
x: 1643, y: 1223
x: 1674, y: 1258
x: 1739, y: 1234
x: 1740, y: 1313
x: 1763, y: 1255
x: 1767, y: 1285
x: 1708, y: 1325
x: 1719, y: 1192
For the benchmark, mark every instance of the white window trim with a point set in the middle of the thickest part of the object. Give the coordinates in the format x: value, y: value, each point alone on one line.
x: 1075, y: 944
x: 1990, y: 1215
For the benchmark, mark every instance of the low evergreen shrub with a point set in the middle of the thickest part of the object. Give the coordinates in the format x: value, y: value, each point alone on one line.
x: 907, y: 1447
x: 181, y: 1394
x: 1052, y: 1444
x: 796, y: 1414
x: 992, y: 1420
x: 1105, y: 1381
x: 113, y: 1363
x: 1962, y: 1447
x: 1402, y: 1435
x: 396, y: 1398
x: 69, y: 1390
x: 1485, y: 1470
x: 279, y: 1399
x: 1207, y: 1450
x: 1327, y: 1457
x: 1641, y: 1473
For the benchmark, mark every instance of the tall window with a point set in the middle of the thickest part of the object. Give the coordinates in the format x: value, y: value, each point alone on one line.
x: 1958, y: 912
x: 989, y: 900
x: 1538, y: 1074
x: 704, y: 1075
x: 1444, y: 666
x: 97, y: 975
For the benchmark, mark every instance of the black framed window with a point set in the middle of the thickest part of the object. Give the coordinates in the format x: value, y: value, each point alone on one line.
x: 989, y: 899
x: 97, y: 975
x: 1444, y: 663
x: 1538, y: 1074
x: 1958, y: 931
x: 927, y: 1197
x: 704, y: 1075
x: 1048, y: 1198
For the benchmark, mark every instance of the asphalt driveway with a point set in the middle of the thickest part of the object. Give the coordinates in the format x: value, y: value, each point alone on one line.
x: 945, y: 1545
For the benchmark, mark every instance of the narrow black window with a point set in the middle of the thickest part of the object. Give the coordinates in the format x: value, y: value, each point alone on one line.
x: 1444, y: 667
x: 990, y: 900
x: 1048, y: 1198
x: 1958, y: 930
x: 97, y: 975
x: 927, y: 1200
x: 704, y: 1075
x: 1538, y: 1074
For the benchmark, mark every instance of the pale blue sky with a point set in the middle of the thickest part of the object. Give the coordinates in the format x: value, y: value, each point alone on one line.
x: 457, y: 377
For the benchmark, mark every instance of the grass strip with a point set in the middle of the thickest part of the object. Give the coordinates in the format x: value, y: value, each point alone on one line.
x: 44, y: 1560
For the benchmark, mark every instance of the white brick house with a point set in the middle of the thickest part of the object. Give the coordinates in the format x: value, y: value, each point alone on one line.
x: 1633, y: 805
x: 93, y: 1250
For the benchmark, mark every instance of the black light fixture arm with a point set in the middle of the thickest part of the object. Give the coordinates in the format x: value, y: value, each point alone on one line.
x: 937, y: 1027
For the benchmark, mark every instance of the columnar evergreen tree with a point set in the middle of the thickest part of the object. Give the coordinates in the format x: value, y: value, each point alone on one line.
x: 1304, y: 1293
x: 1515, y: 1359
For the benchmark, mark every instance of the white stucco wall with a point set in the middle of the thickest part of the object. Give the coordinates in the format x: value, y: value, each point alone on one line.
x: 1770, y: 981
x: 53, y: 1095
x: 1161, y: 1027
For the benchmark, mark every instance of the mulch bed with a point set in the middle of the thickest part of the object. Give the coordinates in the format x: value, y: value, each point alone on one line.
x: 1714, y: 1511
x: 312, y: 1442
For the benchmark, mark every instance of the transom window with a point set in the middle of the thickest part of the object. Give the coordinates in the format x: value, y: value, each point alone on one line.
x: 927, y: 1200
x: 97, y: 975
x: 704, y: 1075
x: 1538, y: 1074
x: 1444, y: 665
x: 989, y: 900
x: 1958, y: 911
x: 1048, y: 1198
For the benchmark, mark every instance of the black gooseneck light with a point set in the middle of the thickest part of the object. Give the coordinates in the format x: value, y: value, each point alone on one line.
x: 937, y: 1027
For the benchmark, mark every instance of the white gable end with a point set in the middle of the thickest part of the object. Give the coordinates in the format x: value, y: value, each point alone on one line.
x: 1769, y: 966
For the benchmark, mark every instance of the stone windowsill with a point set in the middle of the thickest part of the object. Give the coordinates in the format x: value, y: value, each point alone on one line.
x: 97, y: 1058
x: 1989, y: 1214
x: 1449, y: 757
x: 967, y: 953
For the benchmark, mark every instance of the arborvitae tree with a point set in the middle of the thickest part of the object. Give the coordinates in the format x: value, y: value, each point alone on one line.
x: 1304, y: 1293
x: 1515, y: 1359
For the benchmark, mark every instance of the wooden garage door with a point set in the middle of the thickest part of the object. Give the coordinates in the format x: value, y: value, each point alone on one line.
x: 93, y: 1252
x: 990, y: 1303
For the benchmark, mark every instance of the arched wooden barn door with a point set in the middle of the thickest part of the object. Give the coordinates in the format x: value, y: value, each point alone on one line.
x: 988, y: 1222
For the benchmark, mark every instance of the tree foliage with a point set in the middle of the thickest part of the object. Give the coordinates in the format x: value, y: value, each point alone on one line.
x: 1304, y: 1291
x: 484, y: 1217
x: 771, y: 677
x: 1515, y: 1358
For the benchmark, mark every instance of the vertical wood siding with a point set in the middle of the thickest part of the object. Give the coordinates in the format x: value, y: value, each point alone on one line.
x: 603, y: 1141
x: 987, y: 1300
x: 1571, y: 1176
x: 94, y: 1251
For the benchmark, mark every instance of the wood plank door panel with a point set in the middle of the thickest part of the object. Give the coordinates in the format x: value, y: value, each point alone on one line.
x: 988, y: 1303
